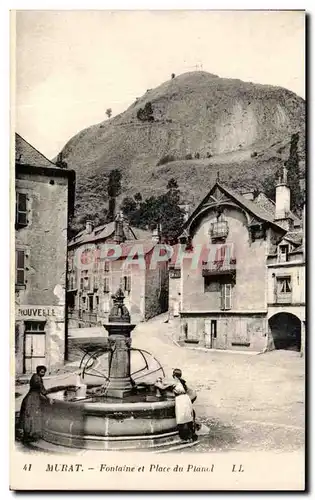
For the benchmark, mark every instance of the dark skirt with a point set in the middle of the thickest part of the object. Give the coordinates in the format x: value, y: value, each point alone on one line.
x: 31, y: 416
x: 187, y: 432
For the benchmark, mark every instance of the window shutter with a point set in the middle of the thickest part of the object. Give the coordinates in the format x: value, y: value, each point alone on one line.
x: 21, y: 209
x: 20, y: 267
x: 128, y: 283
x: 228, y: 296
x: 222, y: 297
x: 106, y: 285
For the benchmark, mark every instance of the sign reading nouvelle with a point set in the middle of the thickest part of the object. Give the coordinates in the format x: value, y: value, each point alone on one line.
x: 33, y: 312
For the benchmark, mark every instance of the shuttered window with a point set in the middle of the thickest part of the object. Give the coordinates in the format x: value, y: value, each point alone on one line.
x: 106, y: 285
x: 125, y: 284
x: 226, y: 296
x: 21, y: 209
x: 20, y: 267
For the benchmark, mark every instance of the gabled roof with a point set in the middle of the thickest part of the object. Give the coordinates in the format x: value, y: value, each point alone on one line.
x: 295, y: 237
x: 106, y: 232
x: 255, y: 209
x: 26, y: 154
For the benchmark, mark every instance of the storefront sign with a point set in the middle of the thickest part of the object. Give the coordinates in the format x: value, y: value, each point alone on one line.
x: 33, y: 312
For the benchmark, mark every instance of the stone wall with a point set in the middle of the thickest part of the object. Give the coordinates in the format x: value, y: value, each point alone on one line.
x: 249, y: 291
x: 233, y: 332
x: 44, y: 241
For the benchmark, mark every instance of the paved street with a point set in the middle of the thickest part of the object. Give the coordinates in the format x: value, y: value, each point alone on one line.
x: 248, y: 401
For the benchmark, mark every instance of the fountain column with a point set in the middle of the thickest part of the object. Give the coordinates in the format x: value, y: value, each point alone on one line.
x: 119, y: 329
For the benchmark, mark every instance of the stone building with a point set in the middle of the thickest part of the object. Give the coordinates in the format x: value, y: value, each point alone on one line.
x: 93, y: 278
x: 237, y: 278
x: 44, y: 195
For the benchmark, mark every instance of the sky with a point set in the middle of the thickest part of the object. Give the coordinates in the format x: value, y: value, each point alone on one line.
x: 70, y: 66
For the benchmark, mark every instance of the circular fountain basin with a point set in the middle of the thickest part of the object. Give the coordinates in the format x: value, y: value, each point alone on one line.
x: 100, y: 423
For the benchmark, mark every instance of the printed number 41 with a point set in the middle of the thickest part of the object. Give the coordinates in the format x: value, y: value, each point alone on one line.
x: 27, y: 467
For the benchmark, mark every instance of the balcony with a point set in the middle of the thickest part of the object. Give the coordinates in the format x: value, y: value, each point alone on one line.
x: 219, y: 268
x: 219, y: 230
x: 175, y: 273
x: 89, y: 317
x: 283, y: 298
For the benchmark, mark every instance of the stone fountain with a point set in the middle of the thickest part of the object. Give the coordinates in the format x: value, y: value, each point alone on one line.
x: 119, y: 414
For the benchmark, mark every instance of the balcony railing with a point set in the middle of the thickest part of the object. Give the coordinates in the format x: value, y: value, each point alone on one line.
x: 218, y: 268
x: 85, y: 316
x: 175, y: 273
x: 219, y: 230
x: 284, y: 298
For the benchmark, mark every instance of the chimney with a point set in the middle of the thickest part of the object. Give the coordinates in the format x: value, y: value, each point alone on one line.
x: 249, y: 196
x: 119, y: 228
x: 89, y: 226
x: 156, y: 235
x: 283, y: 197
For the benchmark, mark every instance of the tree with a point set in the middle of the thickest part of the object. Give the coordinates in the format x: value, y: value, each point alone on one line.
x: 173, y: 192
x: 113, y: 190
x: 109, y: 112
x: 128, y: 206
x: 292, y: 165
x: 173, y: 75
x: 138, y: 197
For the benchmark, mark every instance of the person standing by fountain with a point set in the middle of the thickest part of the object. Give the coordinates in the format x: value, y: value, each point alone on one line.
x: 183, y: 408
x: 31, y: 411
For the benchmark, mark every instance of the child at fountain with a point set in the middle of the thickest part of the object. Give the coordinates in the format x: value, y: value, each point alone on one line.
x: 31, y: 412
x: 183, y: 408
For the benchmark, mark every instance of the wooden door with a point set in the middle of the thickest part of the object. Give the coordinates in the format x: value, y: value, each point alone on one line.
x: 34, y: 346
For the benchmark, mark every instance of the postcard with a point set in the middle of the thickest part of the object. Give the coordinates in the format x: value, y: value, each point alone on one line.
x: 158, y: 182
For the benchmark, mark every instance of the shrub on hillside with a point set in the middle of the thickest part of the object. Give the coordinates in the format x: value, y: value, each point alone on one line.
x: 146, y: 114
x: 165, y: 159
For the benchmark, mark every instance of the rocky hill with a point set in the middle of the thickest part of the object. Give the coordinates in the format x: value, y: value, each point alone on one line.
x: 189, y: 128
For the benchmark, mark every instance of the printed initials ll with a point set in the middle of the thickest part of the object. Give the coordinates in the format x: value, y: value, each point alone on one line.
x: 240, y: 469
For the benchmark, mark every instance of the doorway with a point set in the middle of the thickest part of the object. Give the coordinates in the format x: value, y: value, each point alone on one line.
x: 34, y: 345
x: 286, y: 331
x: 211, y: 333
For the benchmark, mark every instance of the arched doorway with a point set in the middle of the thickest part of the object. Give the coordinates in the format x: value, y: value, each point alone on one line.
x: 286, y: 331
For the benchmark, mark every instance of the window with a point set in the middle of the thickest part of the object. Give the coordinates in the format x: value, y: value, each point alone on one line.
x: 72, y: 281
x: 21, y: 209
x: 106, y: 285
x: 219, y: 229
x: 20, y: 267
x: 85, y: 281
x: 125, y: 284
x: 106, y: 266
x: 211, y: 285
x: 284, y: 285
x: 226, y: 296
x: 283, y: 253
x: 34, y: 326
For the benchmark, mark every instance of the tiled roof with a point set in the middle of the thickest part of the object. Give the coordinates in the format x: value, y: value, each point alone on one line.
x: 294, y: 237
x: 26, y: 154
x: 251, y: 206
x: 140, y: 247
x: 265, y: 203
x: 106, y: 231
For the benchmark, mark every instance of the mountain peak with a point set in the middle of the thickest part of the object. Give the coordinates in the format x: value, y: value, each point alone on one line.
x: 189, y: 127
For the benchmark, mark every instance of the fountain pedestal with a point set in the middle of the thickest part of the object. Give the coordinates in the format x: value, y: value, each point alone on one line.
x: 115, y: 420
x: 119, y: 329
